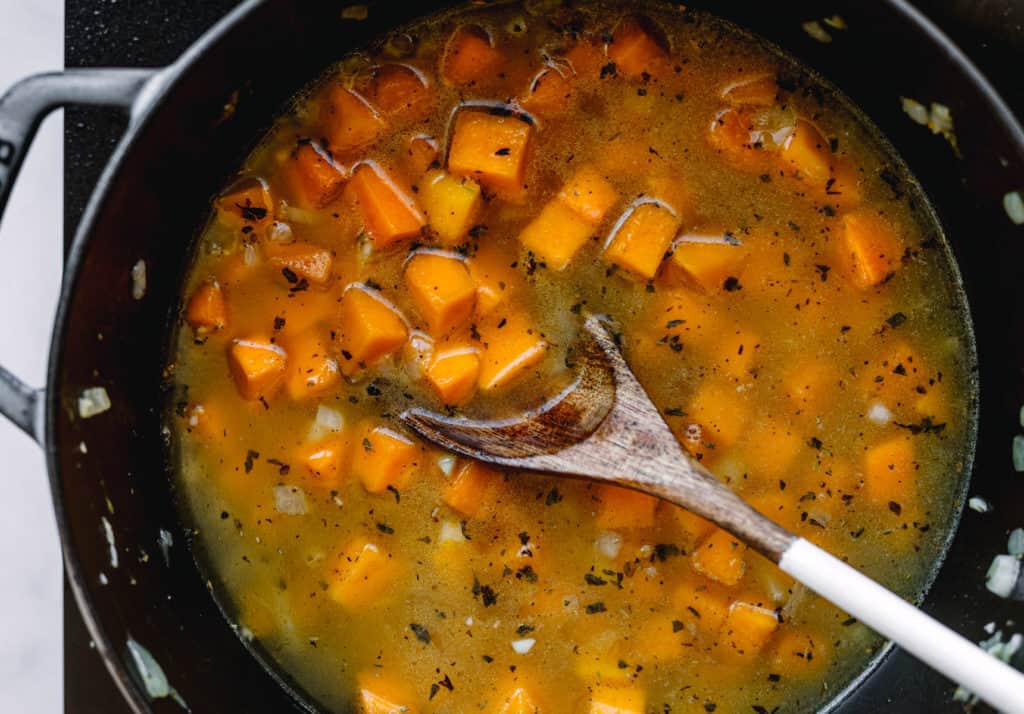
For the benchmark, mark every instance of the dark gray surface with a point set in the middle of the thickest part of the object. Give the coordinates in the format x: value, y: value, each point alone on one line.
x: 154, y: 32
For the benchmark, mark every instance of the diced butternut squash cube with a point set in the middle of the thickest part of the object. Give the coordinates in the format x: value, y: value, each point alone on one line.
x: 778, y: 506
x: 312, y: 370
x: 326, y: 460
x: 586, y: 59
x: 701, y: 604
x: 490, y: 148
x: 732, y: 133
x: 843, y: 187
x: 672, y: 190
x: 890, y: 472
x: 512, y: 345
x: 589, y: 194
x: 301, y: 261
x: 747, y: 629
x: 248, y: 201
x: 383, y: 694
x: 349, y: 120
x: 207, y: 310
x: 442, y: 289
x: 642, y: 238
x: 453, y: 374
x: 257, y: 365
x: 638, y: 46
x: 810, y: 384
x: 452, y: 204
x: 758, y: 90
x: 549, y: 94
x: 692, y: 525
x: 494, y: 277
x: 624, y: 508
x: 617, y: 700
x: 314, y: 176
x: 735, y: 354
x: 772, y: 448
x: 869, y: 248
x: 556, y: 235
x: 518, y: 701
x: 708, y: 263
x: 808, y: 152
x: 800, y: 654
x: 389, y: 213
x: 469, y: 487
x: 382, y: 457
x: 470, y: 56
x: 721, y: 411
x: 419, y: 155
x: 371, y: 328
x: 398, y: 90
x: 207, y: 419
x: 720, y: 557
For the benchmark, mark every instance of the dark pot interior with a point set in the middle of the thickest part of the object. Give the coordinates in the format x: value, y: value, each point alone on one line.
x: 152, y: 203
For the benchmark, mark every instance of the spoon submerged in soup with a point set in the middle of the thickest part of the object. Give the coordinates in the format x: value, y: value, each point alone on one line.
x: 605, y: 428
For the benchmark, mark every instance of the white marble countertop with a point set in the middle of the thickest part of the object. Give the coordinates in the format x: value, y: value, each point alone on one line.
x: 31, y: 652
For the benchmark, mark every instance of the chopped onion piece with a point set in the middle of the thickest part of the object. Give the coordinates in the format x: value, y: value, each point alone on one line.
x: 940, y: 119
x: 879, y: 413
x: 979, y: 504
x: 1018, y: 453
x: 1013, y: 204
x: 836, y: 21
x: 915, y: 110
x: 280, y: 232
x: 451, y: 532
x: 139, y: 280
x: 108, y: 532
x: 93, y: 401
x: 1002, y: 575
x: 165, y: 540
x: 816, y: 31
x: 523, y: 646
x: 152, y: 675
x: 1015, y: 545
x: 608, y: 544
x: 328, y: 421
x: 446, y: 462
x: 290, y: 500
x: 249, y: 255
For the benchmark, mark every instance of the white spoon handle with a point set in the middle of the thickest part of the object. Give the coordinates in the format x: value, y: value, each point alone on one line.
x: 888, y: 614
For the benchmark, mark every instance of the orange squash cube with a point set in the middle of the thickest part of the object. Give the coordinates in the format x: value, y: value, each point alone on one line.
x: 382, y: 457
x: 389, y: 213
x: 870, y: 249
x: 638, y: 46
x: 326, y: 461
x: 701, y: 603
x: 810, y: 384
x: 757, y: 90
x: 732, y: 134
x: 807, y: 151
x: 771, y: 448
x: 617, y: 700
x: 248, y: 201
x: 692, y: 525
x: 800, y: 654
x: 453, y: 374
x: 451, y: 203
x: 365, y: 572
x: 557, y: 234
x: 747, y: 629
x: 311, y: 370
x: 470, y: 57
x: 735, y: 354
x: 549, y: 94
x: 708, y: 263
x: 494, y: 278
x: 257, y: 365
x: 491, y: 149
x: 672, y: 191
x: 586, y: 59
x: 890, y: 472
x: 301, y: 260
x: 720, y: 557
x: 400, y: 91
x: 382, y: 694
x: 349, y: 121
x: 642, y: 238
x: 721, y: 411
x: 442, y: 289
x: 518, y: 701
x: 511, y: 346
x: 314, y: 176
x: 469, y: 487
x: 419, y: 155
x: 624, y: 508
x: 207, y: 309
x: 589, y: 194
x: 370, y: 328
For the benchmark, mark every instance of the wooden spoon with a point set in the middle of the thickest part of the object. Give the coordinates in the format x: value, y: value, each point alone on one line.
x: 603, y: 427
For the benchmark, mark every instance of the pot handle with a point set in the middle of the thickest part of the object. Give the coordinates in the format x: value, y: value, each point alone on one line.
x: 22, y: 109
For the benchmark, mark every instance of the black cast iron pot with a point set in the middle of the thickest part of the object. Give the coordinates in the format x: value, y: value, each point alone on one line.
x: 180, y: 147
